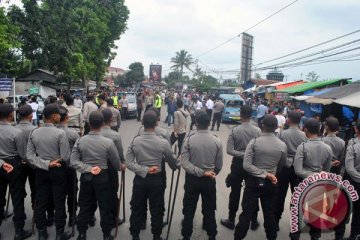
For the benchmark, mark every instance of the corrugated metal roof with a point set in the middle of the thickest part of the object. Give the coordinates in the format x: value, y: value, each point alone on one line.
x: 311, y: 85
x: 342, y: 91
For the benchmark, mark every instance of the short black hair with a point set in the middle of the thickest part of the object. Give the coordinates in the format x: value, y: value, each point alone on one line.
x: 154, y: 109
x: 33, y: 98
x: 50, y: 109
x: 25, y: 111
x: 150, y: 119
x: 107, y: 113
x: 96, y: 120
x: 69, y: 100
x: 90, y: 97
x: 52, y: 99
x: 270, y: 123
x: 295, y: 117
x: 246, y: 111
x: 102, y: 97
x: 179, y: 103
x: 332, y: 123
x: 110, y: 102
x: 63, y: 113
x: 202, y: 119
x: 312, y: 125
x: 5, y: 110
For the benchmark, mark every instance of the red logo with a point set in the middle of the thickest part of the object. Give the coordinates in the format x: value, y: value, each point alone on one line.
x: 325, y: 205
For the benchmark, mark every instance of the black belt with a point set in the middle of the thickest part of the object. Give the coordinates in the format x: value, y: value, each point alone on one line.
x: 14, y: 161
x: 73, y: 127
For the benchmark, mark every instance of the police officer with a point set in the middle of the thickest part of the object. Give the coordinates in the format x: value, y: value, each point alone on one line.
x: 158, y: 101
x: 352, y: 166
x: 238, y: 139
x: 25, y: 115
x: 201, y: 168
x: 116, y: 116
x: 107, y: 132
x: 90, y: 156
x: 75, y: 118
x: 292, y: 137
x: 144, y: 157
x: 311, y: 157
x: 12, y: 169
x: 161, y: 132
x: 337, y: 144
x: 89, y: 107
x: 72, y: 180
x: 48, y: 150
x: 264, y: 157
x: 218, y: 112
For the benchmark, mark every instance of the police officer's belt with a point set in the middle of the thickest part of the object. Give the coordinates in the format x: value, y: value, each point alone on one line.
x: 73, y: 126
x: 14, y: 161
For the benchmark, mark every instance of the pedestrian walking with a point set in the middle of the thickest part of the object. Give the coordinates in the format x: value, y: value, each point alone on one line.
x: 139, y: 106
x: 352, y: 167
x: 145, y: 161
x: 261, y: 110
x: 171, y: 109
x: 12, y: 169
x: 78, y: 103
x: 293, y: 138
x: 313, y: 156
x: 264, y: 157
x: 218, y: 112
x: 201, y: 168
x: 89, y: 107
x: 238, y: 140
x: 90, y: 156
x: 72, y: 180
x: 48, y: 150
x: 35, y: 106
x: 158, y: 101
x: 193, y: 106
x: 186, y: 101
x: 124, y: 107
x: 180, y: 121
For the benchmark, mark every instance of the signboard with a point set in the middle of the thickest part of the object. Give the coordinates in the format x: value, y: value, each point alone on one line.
x: 155, y: 73
x: 279, y: 96
x: 33, y: 90
x: 6, y: 84
x: 246, y: 57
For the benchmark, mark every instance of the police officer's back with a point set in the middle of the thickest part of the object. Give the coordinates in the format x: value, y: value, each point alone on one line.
x: 90, y: 156
x: 144, y: 157
x: 202, y: 160
x: 264, y: 157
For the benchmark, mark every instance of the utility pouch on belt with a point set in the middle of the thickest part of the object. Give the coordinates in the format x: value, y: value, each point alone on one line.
x: 260, y: 182
x: 86, y: 177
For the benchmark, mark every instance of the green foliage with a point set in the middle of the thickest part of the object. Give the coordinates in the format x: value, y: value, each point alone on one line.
x: 182, y: 60
x: 312, y: 76
x: 135, y: 74
x: 204, y: 83
x: 74, y: 39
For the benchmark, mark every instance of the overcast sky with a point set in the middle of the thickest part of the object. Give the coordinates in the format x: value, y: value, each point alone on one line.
x: 159, y: 28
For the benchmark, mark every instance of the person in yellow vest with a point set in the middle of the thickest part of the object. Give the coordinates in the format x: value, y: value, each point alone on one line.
x: 116, y: 100
x: 158, y: 101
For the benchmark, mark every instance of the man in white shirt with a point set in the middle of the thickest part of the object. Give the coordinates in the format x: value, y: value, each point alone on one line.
x: 78, y: 102
x: 199, y: 104
x: 209, y: 107
x: 34, y: 107
x: 280, y: 119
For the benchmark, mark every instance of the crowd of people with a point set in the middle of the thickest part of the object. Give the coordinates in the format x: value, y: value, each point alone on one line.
x: 84, y: 137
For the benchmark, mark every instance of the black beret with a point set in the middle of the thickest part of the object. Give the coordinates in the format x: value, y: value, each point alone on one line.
x: 25, y: 110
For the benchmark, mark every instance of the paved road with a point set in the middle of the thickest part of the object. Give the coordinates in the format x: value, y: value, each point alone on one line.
x: 128, y: 130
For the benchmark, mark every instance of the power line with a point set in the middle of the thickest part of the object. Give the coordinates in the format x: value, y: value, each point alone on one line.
x: 246, y: 30
x: 305, y: 49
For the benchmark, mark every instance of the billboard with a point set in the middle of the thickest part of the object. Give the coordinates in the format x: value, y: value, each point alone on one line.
x: 155, y: 73
x: 246, y: 57
x: 6, y: 84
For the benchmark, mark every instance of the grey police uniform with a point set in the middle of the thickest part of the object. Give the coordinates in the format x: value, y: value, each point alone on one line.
x: 312, y: 157
x: 338, y: 148
x: 195, y: 161
x: 45, y: 144
x: 11, y: 152
x: 292, y: 137
x: 263, y: 155
x: 72, y: 180
x: 89, y: 151
x: 148, y: 150
x: 238, y: 139
x: 352, y: 167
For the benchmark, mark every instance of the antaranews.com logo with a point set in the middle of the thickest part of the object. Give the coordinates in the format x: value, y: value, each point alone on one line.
x: 323, y: 200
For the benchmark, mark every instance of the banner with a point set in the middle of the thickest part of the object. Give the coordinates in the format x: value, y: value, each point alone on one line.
x: 155, y: 73
x: 6, y: 84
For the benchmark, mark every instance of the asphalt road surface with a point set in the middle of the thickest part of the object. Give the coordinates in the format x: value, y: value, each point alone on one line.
x: 128, y: 130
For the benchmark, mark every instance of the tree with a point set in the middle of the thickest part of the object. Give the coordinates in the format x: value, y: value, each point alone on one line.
x: 135, y: 74
x: 182, y: 60
x: 312, y: 76
x: 205, y: 82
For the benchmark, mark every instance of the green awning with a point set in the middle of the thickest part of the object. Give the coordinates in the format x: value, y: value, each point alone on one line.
x: 312, y: 85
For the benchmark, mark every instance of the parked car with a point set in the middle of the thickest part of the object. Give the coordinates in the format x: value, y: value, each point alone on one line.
x: 233, y: 103
x: 132, y: 107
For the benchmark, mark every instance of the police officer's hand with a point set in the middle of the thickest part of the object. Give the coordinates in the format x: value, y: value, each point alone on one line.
x: 153, y: 170
x: 210, y: 174
x: 335, y: 163
x: 7, y: 167
x: 95, y: 170
x: 272, y: 178
x: 122, y: 167
x: 55, y: 163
